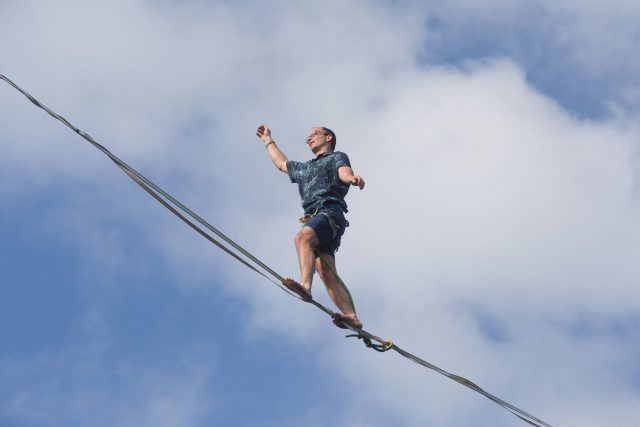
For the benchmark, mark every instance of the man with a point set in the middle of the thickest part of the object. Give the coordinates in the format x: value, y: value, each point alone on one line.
x: 323, y: 182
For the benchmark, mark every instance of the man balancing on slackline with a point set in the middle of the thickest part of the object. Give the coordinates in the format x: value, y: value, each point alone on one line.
x: 323, y: 182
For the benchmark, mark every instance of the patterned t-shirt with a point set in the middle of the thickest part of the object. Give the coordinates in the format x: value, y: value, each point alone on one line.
x: 318, y: 181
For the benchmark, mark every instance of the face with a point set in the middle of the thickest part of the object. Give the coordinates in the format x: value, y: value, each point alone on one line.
x: 318, y: 140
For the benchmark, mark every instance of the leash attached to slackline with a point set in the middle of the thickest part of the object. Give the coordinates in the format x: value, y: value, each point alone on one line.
x: 256, y: 265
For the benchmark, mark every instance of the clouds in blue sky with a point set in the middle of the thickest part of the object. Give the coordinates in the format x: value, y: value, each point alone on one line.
x: 578, y: 52
x: 497, y: 236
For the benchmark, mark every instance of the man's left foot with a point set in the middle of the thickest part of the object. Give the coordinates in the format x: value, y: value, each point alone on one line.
x: 340, y: 320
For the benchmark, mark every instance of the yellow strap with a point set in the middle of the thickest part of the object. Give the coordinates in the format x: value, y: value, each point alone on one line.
x: 306, y: 217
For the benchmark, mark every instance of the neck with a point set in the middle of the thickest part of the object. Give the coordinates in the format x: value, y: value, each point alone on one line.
x: 322, y: 150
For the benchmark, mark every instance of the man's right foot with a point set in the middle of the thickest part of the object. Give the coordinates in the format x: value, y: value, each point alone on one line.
x: 340, y: 320
x: 296, y: 287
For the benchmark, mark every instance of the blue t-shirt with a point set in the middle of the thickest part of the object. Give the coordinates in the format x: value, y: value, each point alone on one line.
x: 318, y: 181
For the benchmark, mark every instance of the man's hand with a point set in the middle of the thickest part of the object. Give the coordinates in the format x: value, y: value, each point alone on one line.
x: 277, y: 157
x: 358, y: 181
x: 264, y: 133
x: 346, y: 175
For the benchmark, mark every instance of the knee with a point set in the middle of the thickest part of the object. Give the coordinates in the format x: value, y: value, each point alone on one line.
x: 298, y: 239
x: 303, y: 238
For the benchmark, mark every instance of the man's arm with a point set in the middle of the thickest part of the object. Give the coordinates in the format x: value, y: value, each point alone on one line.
x: 277, y: 157
x: 345, y: 173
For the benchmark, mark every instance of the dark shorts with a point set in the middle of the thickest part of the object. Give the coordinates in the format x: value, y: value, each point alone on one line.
x: 329, y: 225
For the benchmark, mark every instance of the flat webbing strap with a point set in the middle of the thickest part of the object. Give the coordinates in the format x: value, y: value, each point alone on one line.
x: 524, y: 416
x: 169, y: 202
x: 326, y: 260
x: 253, y: 263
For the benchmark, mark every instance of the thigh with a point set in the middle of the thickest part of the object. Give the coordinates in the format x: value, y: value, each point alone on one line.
x: 322, y: 228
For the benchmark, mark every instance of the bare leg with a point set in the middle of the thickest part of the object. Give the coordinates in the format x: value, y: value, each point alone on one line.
x: 338, y: 294
x: 305, y: 241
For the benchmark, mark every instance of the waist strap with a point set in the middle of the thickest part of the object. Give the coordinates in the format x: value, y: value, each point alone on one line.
x: 332, y: 222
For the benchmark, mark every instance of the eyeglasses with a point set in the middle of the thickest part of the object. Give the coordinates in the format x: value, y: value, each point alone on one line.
x: 314, y: 133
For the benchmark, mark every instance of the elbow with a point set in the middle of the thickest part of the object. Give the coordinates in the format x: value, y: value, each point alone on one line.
x: 282, y: 166
x: 346, y: 178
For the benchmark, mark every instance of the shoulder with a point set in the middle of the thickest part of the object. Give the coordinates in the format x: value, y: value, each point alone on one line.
x: 340, y: 155
x: 293, y: 168
x: 341, y: 159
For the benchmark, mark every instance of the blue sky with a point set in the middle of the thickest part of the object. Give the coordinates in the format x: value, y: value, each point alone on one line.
x: 497, y: 236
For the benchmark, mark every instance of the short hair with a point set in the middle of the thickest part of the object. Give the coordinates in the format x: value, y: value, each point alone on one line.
x: 334, y: 139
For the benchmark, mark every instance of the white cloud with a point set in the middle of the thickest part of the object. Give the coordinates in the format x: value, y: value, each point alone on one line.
x: 582, y: 52
x: 490, y: 197
x: 485, y: 197
x: 489, y: 209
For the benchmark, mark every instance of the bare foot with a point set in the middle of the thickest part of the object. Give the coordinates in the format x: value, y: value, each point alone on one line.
x: 340, y: 320
x: 296, y: 287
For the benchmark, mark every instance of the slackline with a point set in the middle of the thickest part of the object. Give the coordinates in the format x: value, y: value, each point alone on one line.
x: 207, y: 231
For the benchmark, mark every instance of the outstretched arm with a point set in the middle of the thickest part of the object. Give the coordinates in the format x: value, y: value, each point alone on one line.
x: 277, y: 157
x: 345, y: 173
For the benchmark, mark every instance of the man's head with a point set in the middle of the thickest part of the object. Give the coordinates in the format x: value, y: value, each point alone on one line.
x: 321, y: 140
